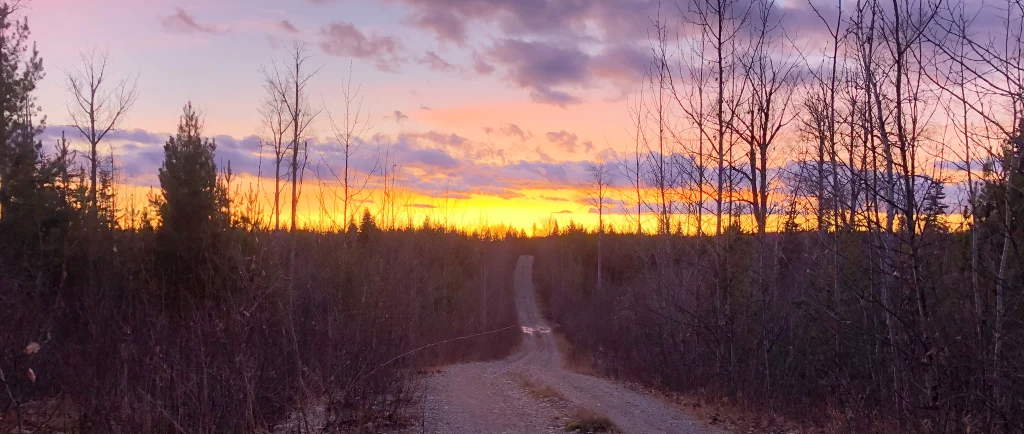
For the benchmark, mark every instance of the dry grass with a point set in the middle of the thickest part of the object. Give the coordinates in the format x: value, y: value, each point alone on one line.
x: 589, y: 421
x: 734, y: 415
x: 427, y: 371
x: 49, y: 416
x: 729, y: 415
x: 574, y: 360
x: 537, y: 389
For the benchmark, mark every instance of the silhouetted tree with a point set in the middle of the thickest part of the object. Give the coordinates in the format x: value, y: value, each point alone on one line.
x: 99, y: 106
x: 367, y: 226
x: 34, y: 213
x: 348, y: 131
x: 20, y: 69
x: 595, y: 193
x: 276, y: 124
x: 192, y: 205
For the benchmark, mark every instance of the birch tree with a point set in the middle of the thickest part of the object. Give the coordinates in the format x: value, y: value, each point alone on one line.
x: 100, y: 104
x: 290, y: 86
x: 991, y: 65
x: 277, y: 122
x: 595, y: 192
x: 349, y: 131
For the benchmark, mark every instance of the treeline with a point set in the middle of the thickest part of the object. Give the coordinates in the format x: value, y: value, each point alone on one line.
x: 824, y: 267
x: 192, y: 313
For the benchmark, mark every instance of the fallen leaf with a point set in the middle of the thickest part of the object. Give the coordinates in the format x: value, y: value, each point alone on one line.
x: 31, y: 375
x: 32, y: 348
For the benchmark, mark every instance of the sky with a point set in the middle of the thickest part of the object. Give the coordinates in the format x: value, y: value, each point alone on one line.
x: 496, y: 103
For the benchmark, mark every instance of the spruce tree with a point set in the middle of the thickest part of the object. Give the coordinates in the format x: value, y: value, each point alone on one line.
x: 367, y: 227
x: 934, y: 206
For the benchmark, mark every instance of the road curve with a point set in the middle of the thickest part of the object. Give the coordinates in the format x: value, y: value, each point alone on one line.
x: 490, y: 397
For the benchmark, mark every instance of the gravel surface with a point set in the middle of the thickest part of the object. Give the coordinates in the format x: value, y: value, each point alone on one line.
x: 492, y: 397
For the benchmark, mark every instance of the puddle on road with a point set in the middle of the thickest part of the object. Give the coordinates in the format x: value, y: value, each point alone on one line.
x: 532, y: 330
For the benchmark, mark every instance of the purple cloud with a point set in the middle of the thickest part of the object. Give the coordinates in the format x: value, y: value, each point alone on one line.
x: 435, y: 62
x: 248, y: 143
x: 450, y: 140
x: 481, y: 66
x: 554, y: 97
x: 183, y: 22
x: 555, y: 48
x: 53, y: 133
x: 554, y: 199
x: 622, y: 63
x: 429, y: 158
x: 446, y: 25
x: 607, y: 21
x: 540, y: 67
x: 288, y: 26
x: 452, y: 163
x: 343, y: 39
x: 569, y: 142
x: 510, y: 130
x: 518, y: 17
x: 398, y: 116
x: 139, y: 135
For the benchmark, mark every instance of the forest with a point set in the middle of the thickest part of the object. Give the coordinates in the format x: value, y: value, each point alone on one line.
x: 835, y: 228
x: 831, y: 234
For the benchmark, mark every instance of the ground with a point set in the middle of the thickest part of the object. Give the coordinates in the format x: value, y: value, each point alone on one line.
x: 530, y: 392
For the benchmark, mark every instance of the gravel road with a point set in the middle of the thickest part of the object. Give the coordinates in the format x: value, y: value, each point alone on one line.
x: 502, y: 396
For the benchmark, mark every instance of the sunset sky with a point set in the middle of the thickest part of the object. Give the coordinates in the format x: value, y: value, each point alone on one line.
x: 498, y: 102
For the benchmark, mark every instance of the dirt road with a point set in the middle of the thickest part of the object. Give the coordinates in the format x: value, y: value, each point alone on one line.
x: 530, y: 392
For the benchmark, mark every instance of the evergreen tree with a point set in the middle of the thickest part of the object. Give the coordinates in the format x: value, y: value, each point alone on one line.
x: 367, y: 227
x: 192, y: 207
x: 36, y: 192
x: 106, y: 203
x: 934, y: 206
x: 20, y: 69
x: 353, y: 229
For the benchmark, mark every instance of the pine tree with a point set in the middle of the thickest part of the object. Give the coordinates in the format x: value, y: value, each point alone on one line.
x: 192, y: 207
x: 20, y: 69
x: 35, y: 191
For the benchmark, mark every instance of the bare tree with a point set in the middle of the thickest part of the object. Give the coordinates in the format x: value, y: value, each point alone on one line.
x: 595, y: 193
x: 354, y: 124
x: 694, y: 103
x: 392, y: 198
x: 892, y: 58
x: 991, y: 88
x: 293, y: 91
x: 277, y: 122
x: 631, y: 163
x: 658, y: 143
x: 720, y: 25
x: 771, y: 79
x: 289, y: 84
x: 100, y: 103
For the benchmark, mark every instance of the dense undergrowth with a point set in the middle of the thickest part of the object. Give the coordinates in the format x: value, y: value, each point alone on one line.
x: 247, y: 350
x: 779, y: 332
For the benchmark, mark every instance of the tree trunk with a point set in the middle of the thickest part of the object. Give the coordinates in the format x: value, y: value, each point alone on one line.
x: 1016, y: 166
